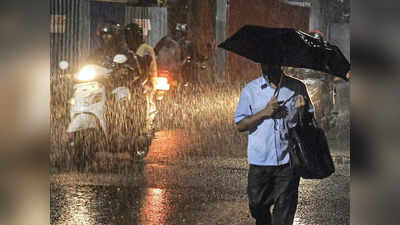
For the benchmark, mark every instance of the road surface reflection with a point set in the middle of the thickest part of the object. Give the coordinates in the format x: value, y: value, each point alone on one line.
x: 116, y: 203
x: 171, y: 144
x: 155, y: 207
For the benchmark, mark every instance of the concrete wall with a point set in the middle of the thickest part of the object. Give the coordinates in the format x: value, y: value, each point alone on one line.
x: 317, y: 19
x: 339, y: 34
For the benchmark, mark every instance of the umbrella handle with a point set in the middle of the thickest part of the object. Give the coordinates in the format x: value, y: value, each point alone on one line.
x: 276, y: 93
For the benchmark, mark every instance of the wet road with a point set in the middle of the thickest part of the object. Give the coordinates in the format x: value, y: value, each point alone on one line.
x: 179, y: 184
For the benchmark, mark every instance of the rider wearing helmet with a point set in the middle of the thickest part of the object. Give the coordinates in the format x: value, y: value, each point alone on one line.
x: 143, y: 52
x: 146, y: 60
x: 133, y: 36
x: 108, y: 33
x: 111, y: 44
x: 174, y: 52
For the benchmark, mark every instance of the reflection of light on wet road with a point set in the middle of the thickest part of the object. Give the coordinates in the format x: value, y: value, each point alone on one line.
x: 297, y: 221
x: 169, y: 144
x: 155, y: 207
x: 77, y: 208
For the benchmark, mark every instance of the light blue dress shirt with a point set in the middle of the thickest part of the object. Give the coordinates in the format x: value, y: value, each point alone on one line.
x: 268, y: 143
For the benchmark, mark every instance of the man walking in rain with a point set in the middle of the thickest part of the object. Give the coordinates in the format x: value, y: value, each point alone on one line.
x: 268, y: 106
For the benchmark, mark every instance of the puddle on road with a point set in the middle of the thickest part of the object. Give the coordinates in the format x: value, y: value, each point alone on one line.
x: 97, y: 205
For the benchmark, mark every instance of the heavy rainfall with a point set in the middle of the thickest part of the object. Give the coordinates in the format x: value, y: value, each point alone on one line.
x: 197, y: 132
x: 195, y: 170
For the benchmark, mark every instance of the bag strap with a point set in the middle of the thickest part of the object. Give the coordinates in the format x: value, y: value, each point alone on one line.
x: 276, y: 93
x: 300, y: 119
x: 300, y: 116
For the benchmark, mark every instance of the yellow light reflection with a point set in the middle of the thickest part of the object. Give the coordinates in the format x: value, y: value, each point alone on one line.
x: 155, y: 207
x: 170, y: 144
x: 77, y: 208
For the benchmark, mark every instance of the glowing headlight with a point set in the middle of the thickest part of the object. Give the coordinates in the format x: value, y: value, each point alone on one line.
x: 72, y: 101
x: 86, y: 73
x: 161, y: 83
x: 63, y: 65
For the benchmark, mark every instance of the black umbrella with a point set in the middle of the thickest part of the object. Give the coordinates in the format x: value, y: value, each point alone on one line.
x: 287, y: 47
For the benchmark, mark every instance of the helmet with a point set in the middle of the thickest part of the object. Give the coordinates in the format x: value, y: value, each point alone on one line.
x: 133, y: 35
x: 110, y: 27
x: 134, y: 30
x: 109, y: 33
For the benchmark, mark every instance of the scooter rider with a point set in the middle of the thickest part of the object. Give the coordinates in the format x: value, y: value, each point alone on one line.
x: 109, y: 33
x: 108, y: 99
x: 145, y: 57
x: 143, y: 52
x: 113, y: 43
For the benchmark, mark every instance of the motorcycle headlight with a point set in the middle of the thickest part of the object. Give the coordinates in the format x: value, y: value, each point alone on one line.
x: 72, y: 101
x: 87, y: 73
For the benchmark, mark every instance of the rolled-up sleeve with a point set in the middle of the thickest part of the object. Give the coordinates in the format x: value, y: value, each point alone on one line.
x: 243, y: 109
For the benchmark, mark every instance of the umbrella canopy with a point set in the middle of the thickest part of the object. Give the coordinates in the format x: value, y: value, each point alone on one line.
x: 287, y: 47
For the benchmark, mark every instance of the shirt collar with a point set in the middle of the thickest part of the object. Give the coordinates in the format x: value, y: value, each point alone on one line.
x: 264, y: 81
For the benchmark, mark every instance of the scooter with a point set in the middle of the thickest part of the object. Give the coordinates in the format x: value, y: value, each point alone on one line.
x: 96, y: 102
x: 171, y: 109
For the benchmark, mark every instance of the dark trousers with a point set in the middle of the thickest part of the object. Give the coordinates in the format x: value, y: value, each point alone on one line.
x: 272, y: 185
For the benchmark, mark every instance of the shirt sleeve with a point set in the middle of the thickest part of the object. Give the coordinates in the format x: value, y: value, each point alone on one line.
x: 243, y: 109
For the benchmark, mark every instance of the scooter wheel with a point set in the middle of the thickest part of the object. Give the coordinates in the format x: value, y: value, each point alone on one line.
x: 83, y: 148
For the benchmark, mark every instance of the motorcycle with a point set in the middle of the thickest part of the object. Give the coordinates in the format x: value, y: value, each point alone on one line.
x: 109, y: 110
x: 172, y: 107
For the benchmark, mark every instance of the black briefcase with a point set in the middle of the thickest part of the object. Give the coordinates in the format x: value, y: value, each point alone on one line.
x: 309, y: 151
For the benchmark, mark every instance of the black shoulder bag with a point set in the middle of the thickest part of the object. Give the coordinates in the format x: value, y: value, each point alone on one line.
x: 309, y: 151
